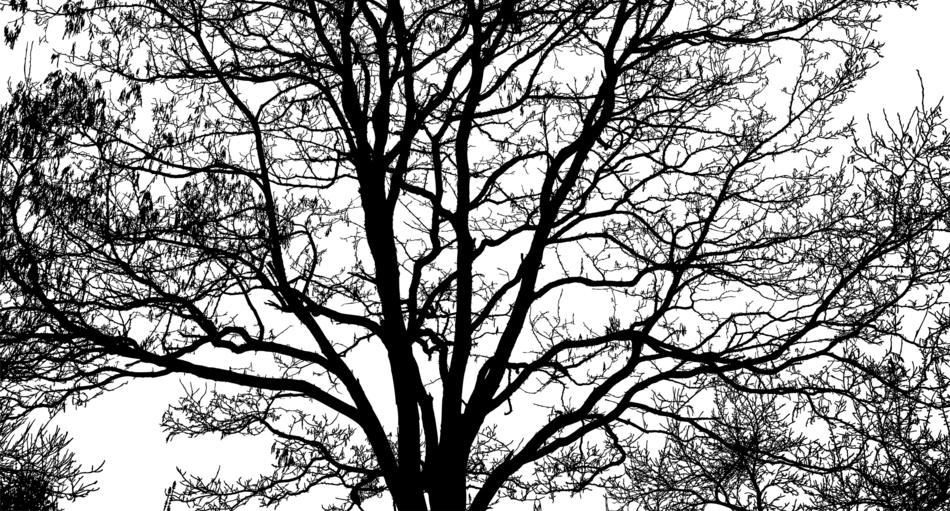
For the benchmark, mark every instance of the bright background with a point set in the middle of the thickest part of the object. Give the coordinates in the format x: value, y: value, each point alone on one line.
x: 122, y: 427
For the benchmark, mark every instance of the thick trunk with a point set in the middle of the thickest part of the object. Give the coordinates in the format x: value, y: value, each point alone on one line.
x: 446, y: 475
x: 447, y: 487
x: 407, y: 495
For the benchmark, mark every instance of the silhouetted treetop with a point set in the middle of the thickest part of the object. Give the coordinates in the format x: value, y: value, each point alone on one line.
x: 462, y: 252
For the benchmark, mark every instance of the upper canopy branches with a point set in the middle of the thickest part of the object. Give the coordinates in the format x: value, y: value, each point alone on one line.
x: 290, y: 196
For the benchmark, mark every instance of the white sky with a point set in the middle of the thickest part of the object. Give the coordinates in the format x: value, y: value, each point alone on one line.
x: 122, y: 428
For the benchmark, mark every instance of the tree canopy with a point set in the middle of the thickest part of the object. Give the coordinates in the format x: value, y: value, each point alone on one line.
x: 462, y: 252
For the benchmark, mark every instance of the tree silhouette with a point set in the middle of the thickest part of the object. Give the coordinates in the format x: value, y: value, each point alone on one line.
x: 26, y: 493
x: 462, y: 252
x: 36, y: 468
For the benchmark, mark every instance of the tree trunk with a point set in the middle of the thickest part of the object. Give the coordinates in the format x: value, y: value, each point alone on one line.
x: 447, y: 481
x: 407, y: 495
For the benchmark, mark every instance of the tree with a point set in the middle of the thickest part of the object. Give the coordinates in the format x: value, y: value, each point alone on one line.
x: 37, y: 469
x: 397, y: 229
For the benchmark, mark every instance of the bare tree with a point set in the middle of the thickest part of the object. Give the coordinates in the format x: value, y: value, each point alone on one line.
x: 37, y: 470
x: 892, y: 451
x: 742, y: 456
x: 459, y: 252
